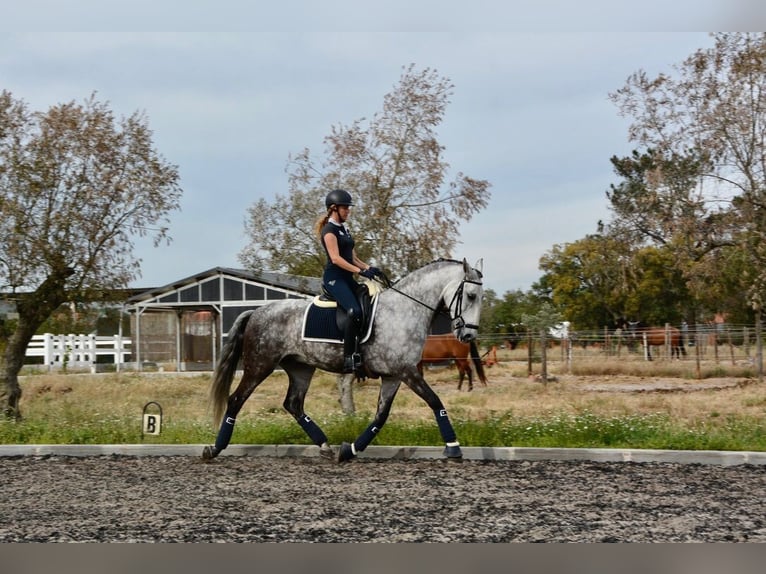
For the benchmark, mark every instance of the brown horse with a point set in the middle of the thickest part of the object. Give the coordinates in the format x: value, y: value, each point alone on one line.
x: 659, y: 337
x: 440, y: 348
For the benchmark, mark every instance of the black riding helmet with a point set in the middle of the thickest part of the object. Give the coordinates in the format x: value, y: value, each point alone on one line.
x: 338, y: 197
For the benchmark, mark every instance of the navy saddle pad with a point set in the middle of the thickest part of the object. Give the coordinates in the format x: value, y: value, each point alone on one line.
x: 319, y: 325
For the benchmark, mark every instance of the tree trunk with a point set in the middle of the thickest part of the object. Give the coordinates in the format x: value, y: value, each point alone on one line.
x: 346, y: 391
x: 33, y: 310
x: 11, y: 362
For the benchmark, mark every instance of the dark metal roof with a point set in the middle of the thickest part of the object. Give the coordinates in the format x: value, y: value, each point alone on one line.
x: 296, y: 283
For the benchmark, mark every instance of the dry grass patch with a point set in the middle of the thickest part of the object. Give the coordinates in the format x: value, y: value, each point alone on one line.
x: 186, y: 396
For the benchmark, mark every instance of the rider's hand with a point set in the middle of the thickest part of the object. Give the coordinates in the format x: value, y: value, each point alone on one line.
x: 370, y: 272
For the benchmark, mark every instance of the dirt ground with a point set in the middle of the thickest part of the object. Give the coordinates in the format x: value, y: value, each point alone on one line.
x: 260, y: 499
x: 255, y: 499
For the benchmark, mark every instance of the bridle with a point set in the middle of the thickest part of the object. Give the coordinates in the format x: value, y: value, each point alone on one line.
x: 456, y: 320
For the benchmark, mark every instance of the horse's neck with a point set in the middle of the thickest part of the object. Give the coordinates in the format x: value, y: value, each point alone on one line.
x: 428, y: 285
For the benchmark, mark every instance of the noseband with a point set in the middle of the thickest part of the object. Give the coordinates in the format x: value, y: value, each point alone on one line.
x: 457, y: 299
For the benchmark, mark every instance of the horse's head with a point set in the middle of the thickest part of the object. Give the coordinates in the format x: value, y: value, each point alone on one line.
x: 463, y: 299
x: 635, y: 328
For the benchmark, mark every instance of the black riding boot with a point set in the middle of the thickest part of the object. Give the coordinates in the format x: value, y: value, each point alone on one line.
x: 352, y: 359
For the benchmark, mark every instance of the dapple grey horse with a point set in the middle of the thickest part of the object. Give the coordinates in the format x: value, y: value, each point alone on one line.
x: 271, y: 336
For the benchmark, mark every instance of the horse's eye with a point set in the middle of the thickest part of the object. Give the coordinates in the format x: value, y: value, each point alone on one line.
x: 472, y: 296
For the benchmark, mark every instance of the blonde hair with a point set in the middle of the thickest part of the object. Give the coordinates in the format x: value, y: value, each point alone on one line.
x: 320, y: 223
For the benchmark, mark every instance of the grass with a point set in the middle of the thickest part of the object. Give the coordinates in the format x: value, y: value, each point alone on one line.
x: 514, y: 410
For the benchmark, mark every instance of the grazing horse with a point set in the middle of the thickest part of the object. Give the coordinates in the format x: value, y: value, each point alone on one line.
x: 658, y: 337
x: 446, y: 347
x: 271, y: 336
x: 491, y: 356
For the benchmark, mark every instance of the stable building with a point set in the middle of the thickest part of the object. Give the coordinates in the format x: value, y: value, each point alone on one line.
x: 186, y: 322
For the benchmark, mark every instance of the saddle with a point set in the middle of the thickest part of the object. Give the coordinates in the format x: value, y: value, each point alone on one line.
x: 325, y: 321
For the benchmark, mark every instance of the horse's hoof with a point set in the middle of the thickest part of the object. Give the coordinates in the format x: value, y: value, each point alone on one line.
x: 453, y: 453
x: 345, y: 453
x: 209, y: 453
x: 326, y: 453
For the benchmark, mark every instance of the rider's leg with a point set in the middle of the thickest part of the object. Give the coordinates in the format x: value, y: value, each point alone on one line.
x: 352, y: 359
x: 346, y: 297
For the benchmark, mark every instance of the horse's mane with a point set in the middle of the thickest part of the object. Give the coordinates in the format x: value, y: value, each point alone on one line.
x: 435, y: 262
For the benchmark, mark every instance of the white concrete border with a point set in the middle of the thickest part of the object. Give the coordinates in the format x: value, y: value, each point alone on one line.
x: 723, y: 458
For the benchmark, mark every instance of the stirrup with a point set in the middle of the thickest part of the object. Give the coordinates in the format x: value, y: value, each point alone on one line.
x: 352, y: 363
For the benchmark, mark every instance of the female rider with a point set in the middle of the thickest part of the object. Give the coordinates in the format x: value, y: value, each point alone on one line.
x: 342, y: 264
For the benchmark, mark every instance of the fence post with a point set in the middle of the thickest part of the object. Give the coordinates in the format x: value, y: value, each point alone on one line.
x: 759, y: 344
x: 646, y: 347
x: 668, y: 343
x: 48, y: 350
x: 117, y: 346
x: 61, y: 350
x: 92, y: 349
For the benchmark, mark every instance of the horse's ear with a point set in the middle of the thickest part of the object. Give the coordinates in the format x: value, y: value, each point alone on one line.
x: 466, y: 267
x: 479, y: 266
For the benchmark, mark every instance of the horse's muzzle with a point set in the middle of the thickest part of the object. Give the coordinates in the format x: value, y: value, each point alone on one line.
x: 465, y: 336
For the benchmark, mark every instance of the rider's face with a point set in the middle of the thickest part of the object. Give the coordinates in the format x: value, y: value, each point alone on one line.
x: 343, y: 211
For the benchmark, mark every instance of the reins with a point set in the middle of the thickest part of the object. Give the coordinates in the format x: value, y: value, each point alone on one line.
x: 448, y: 311
x: 389, y: 285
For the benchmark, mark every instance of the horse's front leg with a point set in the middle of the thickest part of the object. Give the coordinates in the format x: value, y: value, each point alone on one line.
x: 388, y: 389
x: 421, y: 388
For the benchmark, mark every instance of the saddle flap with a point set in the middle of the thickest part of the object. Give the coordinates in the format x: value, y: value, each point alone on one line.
x: 320, y: 321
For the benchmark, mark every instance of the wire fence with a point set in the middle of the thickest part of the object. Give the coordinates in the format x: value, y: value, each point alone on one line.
x: 720, y: 344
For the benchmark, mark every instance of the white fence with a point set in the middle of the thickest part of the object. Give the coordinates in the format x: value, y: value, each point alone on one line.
x: 62, y: 351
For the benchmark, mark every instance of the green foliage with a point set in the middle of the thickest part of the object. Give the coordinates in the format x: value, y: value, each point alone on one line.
x: 77, y: 185
x: 503, y: 319
x: 701, y: 184
x: 583, y: 430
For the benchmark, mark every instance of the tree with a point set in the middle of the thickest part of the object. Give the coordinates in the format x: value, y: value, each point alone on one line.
x: 660, y: 294
x: 76, y: 186
x: 597, y: 280
x: 715, y: 108
x: 404, y: 213
x: 660, y: 204
x: 501, y: 319
x: 589, y: 279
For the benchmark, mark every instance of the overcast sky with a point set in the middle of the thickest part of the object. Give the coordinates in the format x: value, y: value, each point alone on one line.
x: 530, y: 110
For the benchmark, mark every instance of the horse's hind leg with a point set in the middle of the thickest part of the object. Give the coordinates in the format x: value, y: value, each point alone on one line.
x: 300, y: 376
x: 235, y: 403
x: 388, y: 389
x: 465, y: 370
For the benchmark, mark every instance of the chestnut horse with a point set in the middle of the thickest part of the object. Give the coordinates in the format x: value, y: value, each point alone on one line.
x: 658, y: 337
x: 440, y: 348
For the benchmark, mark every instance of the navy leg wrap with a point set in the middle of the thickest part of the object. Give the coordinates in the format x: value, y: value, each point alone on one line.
x: 366, y: 437
x: 224, y: 435
x: 311, y: 429
x: 445, y: 426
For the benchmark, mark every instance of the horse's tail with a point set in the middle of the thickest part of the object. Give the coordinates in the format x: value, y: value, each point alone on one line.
x: 227, y: 366
x: 477, y: 362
